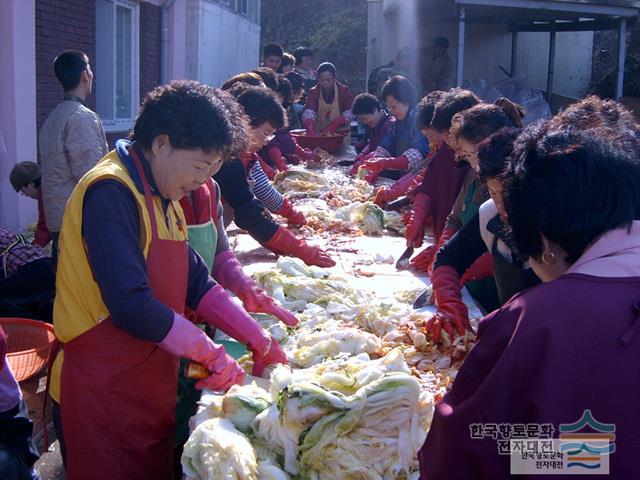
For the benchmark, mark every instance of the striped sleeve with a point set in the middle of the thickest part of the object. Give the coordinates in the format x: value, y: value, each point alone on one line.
x: 263, y: 189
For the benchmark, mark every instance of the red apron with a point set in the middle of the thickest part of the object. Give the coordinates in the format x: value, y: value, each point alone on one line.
x: 118, y: 394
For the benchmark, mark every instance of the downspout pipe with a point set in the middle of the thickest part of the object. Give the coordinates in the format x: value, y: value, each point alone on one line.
x: 164, y: 41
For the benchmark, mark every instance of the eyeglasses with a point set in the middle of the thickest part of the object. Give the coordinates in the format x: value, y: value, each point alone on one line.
x: 267, y: 138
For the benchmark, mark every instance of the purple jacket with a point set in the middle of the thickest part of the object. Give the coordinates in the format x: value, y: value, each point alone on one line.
x: 545, y: 357
x: 373, y: 136
x: 442, y: 182
x: 283, y: 140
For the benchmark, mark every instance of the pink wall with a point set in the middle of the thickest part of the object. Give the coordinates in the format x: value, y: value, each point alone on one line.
x: 17, y: 105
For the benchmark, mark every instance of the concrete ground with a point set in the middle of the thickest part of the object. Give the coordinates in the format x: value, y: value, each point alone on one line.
x: 49, y: 466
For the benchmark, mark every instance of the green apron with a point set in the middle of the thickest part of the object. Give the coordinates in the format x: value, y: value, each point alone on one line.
x: 204, y: 240
x: 484, y: 291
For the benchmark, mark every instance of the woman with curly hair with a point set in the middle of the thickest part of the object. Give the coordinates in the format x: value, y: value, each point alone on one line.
x: 250, y: 196
x: 568, y: 347
x: 125, y: 277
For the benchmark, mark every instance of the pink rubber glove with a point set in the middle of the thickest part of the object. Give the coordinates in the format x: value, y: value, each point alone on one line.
x: 294, y: 217
x: 220, y: 311
x: 274, y: 355
x: 377, y: 165
x: 186, y: 340
x: 228, y: 272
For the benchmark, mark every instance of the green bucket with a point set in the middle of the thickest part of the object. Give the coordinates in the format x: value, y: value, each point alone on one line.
x: 234, y: 349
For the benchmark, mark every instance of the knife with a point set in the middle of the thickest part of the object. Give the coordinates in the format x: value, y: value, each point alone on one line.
x: 398, y: 204
x: 403, y: 261
x: 424, y: 298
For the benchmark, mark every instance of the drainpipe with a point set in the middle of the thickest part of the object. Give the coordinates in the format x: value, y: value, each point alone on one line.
x: 622, y: 52
x: 164, y: 42
x: 462, y: 18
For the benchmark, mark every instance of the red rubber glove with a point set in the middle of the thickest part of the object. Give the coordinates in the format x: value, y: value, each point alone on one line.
x: 336, y: 124
x: 186, y: 340
x: 360, y: 159
x: 306, y: 154
x: 275, y: 155
x: 293, y: 216
x: 284, y: 242
x: 377, y: 165
x: 416, y: 182
x: 423, y: 262
x: 452, y: 315
x: 401, y: 187
x: 481, y: 268
x: 414, y: 235
x: 3, y: 348
x: 310, y: 126
x: 275, y: 354
x: 220, y: 311
x: 228, y: 272
x: 268, y: 171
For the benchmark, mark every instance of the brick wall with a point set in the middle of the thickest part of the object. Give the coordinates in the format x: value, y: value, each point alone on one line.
x: 71, y: 24
x: 150, y: 36
x: 60, y: 25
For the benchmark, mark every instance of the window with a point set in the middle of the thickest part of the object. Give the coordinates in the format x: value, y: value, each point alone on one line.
x: 117, y: 76
x: 241, y: 7
x: 245, y: 8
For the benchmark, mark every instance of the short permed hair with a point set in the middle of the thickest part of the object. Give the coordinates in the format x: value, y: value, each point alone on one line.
x: 301, y: 52
x: 594, y: 112
x: 261, y: 105
x: 272, y: 50
x: 480, y: 121
x: 569, y: 187
x: 268, y: 76
x: 23, y: 173
x: 285, y: 90
x: 495, y: 151
x: 68, y: 67
x: 288, y: 59
x: 249, y: 78
x: 365, y: 104
x: 399, y: 88
x: 453, y: 101
x: 297, y: 81
x: 193, y: 116
x: 426, y: 107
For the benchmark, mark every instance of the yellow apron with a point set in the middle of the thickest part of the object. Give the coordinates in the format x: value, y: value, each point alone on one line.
x: 328, y: 112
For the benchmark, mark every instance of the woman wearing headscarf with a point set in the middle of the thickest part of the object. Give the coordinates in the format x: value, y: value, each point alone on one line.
x: 328, y: 106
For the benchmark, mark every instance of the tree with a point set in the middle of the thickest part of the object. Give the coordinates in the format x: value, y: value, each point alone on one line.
x: 336, y: 31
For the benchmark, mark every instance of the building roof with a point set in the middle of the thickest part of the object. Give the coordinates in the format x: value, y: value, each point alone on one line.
x: 539, y: 14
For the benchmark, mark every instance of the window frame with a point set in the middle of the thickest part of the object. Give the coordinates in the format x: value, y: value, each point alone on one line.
x: 121, y: 124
